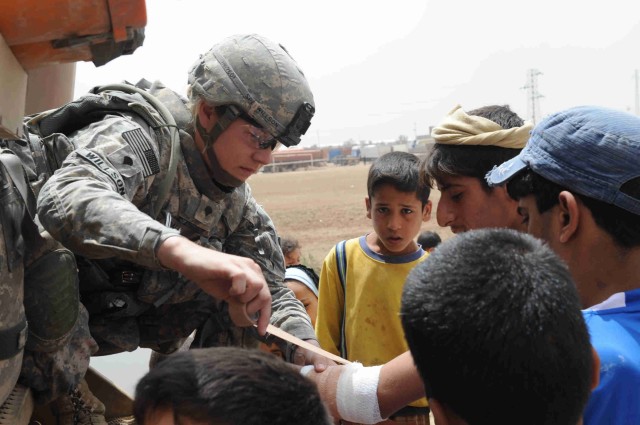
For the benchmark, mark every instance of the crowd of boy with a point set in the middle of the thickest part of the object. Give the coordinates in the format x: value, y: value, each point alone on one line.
x: 485, y: 329
x: 575, y: 186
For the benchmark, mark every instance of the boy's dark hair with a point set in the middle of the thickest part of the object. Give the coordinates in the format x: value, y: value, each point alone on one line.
x: 400, y: 170
x: 288, y: 245
x: 429, y: 239
x: 229, y: 385
x: 622, y: 225
x: 468, y: 160
x: 493, y: 321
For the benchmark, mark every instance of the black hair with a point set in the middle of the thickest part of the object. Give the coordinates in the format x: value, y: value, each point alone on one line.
x: 309, y: 271
x: 400, y: 170
x: 499, y: 114
x: 429, y: 239
x: 471, y: 161
x: 622, y: 225
x: 288, y: 245
x: 493, y: 322
x: 229, y: 385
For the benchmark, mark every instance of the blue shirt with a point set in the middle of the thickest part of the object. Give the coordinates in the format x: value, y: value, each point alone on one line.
x: 614, y: 326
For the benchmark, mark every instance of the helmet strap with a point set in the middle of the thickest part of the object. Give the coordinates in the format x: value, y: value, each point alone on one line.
x: 221, y: 178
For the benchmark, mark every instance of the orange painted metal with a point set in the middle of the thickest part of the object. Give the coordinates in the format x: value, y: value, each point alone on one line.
x: 57, y: 31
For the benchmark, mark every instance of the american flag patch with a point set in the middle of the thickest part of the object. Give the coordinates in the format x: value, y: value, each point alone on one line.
x: 140, y: 144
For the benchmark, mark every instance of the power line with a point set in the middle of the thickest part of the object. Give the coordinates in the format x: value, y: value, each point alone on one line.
x: 533, y: 96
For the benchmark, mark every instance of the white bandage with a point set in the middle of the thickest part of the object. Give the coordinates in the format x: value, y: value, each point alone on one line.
x: 304, y: 370
x: 357, y: 394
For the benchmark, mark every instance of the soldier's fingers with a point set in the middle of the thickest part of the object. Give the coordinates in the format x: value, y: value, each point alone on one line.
x: 260, y: 306
x: 238, y: 313
x: 238, y: 285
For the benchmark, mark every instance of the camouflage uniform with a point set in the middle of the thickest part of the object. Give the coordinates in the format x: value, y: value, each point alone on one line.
x: 39, y: 283
x: 100, y: 206
x: 13, y: 325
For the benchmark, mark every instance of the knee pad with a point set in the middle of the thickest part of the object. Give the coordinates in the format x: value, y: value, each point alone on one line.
x: 51, y: 299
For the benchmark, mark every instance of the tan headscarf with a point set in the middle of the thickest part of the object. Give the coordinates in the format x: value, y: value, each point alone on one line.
x: 458, y: 128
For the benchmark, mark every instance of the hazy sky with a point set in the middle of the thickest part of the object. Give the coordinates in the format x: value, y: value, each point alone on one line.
x: 383, y: 69
x: 380, y: 69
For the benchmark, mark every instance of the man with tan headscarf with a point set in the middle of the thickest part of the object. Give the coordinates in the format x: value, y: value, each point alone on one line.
x: 475, y: 129
x: 468, y: 146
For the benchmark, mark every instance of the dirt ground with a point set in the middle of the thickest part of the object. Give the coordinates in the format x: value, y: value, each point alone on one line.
x: 321, y: 206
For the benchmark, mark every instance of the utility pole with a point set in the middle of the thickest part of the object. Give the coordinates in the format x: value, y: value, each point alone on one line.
x: 637, y: 78
x: 533, y: 96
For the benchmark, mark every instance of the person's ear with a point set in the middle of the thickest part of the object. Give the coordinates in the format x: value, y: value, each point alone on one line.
x: 595, y: 373
x: 367, y: 202
x: 206, y: 115
x: 568, y: 215
x: 443, y: 415
x: 426, y: 211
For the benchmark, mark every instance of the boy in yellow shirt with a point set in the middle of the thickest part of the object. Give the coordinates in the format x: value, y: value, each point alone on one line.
x: 362, y: 279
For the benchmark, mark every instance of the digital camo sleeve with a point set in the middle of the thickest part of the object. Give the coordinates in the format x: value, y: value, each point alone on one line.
x: 87, y: 204
x: 256, y: 238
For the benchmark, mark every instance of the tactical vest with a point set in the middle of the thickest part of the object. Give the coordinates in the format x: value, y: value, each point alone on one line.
x: 47, y: 145
x: 45, y: 293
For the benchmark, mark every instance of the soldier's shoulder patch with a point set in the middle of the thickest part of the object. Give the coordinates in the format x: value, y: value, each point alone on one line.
x: 103, y: 166
x: 141, y: 145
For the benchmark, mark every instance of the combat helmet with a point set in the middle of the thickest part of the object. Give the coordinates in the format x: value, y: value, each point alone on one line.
x: 257, y: 78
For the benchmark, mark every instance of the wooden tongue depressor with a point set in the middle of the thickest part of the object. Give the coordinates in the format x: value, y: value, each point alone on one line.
x: 304, y: 344
x: 239, y: 316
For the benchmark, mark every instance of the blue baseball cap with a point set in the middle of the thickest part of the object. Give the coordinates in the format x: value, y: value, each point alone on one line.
x: 590, y: 150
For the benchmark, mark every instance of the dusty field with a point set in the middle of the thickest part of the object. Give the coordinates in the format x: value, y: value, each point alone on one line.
x: 321, y: 206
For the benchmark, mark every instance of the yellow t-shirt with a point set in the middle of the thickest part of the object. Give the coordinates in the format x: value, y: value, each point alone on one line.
x: 374, y: 282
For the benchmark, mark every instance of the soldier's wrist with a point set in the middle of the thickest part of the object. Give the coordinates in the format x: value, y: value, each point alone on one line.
x: 166, y: 245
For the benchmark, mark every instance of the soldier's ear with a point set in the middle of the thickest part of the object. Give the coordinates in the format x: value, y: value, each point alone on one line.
x: 207, y: 115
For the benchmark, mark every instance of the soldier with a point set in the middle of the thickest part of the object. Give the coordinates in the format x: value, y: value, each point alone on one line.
x: 160, y: 255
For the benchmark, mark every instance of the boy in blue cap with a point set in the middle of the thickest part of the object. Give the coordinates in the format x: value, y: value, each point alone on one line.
x: 578, y: 186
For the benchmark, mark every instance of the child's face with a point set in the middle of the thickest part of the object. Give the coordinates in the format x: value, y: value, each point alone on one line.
x: 306, y: 297
x: 293, y: 257
x: 397, y: 217
x: 551, y: 227
x: 465, y: 205
x: 272, y: 349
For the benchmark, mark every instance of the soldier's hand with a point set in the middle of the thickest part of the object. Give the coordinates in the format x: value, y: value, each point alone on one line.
x: 224, y: 276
